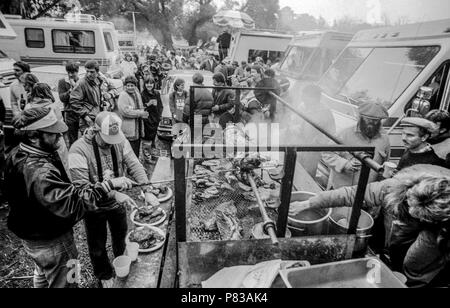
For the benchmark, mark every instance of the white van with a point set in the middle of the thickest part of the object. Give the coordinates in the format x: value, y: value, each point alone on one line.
x: 6, y: 65
x: 127, y: 42
x: 308, y: 56
x: 52, y: 41
x: 247, y: 45
x: 389, y: 66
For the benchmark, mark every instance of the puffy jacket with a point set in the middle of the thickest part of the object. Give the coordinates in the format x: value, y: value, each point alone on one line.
x: 203, y: 101
x: 225, y: 99
x: 154, y: 106
x: 44, y: 204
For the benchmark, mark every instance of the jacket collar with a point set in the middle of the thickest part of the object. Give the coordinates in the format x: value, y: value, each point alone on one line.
x: 33, y: 150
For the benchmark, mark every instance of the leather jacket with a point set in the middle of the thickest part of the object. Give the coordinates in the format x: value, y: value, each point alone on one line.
x: 44, y: 204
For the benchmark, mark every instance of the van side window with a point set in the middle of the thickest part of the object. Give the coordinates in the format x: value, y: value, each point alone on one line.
x: 34, y: 38
x: 108, y: 41
x: 271, y: 55
x: 73, y: 41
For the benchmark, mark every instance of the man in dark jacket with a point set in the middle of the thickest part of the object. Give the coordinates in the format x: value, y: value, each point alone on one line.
x: 224, y: 99
x: 65, y: 88
x: 86, y: 97
x: 224, y: 41
x: 268, y: 102
x: 415, y: 137
x: 44, y: 204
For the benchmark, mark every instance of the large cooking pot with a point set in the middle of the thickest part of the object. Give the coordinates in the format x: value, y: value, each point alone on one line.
x: 340, y: 220
x: 309, y: 222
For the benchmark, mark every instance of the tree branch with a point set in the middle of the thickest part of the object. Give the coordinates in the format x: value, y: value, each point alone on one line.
x: 46, y: 9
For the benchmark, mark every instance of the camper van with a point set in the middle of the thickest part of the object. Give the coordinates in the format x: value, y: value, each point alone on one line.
x: 248, y: 45
x: 6, y: 66
x: 127, y: 42
x: 307, y: 58
x: 390, y: 66
x: 52, y: 41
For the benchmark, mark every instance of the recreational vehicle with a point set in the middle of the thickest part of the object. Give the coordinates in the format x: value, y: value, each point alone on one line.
x: 53, y: 41
x: 247, y: 45
x: 390, y: 66
x: 127, y: 42
x: 308, y: 56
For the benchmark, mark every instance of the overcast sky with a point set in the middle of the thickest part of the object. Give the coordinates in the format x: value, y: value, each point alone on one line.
x: 371, y: 11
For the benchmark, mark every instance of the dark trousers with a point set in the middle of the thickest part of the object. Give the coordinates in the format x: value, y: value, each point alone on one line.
x: 73, y: 123
x: 96, y: 230
x: 136, y: 146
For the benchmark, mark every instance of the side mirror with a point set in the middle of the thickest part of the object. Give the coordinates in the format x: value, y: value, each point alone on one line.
x: 421, y: 104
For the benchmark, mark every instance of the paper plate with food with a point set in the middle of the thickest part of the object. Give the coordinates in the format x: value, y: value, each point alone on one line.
x: 150, y: 239
x: 161, y: 193
x: 148, y: 216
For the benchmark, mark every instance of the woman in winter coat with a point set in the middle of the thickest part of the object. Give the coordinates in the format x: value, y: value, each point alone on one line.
x: 131, y: 110
x: 151, y: 98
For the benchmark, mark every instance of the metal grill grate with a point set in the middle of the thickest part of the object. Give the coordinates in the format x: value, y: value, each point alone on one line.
x: 197, y: 212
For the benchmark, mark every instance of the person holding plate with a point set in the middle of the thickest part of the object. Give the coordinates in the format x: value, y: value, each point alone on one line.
x: 105, y: 153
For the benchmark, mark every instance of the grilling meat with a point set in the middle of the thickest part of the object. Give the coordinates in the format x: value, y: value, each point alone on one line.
x: 146, y: 238
x: 148, y: 215
x: 227, y: 221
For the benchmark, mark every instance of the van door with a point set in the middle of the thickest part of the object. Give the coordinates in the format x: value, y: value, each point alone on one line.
x: 439, y: 82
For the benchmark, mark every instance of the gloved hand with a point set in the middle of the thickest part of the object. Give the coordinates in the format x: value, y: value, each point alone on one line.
x: 297, y: 207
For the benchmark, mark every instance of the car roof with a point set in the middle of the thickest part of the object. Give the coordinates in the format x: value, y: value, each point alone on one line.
x: 57, y: 69
x: 189, y: 73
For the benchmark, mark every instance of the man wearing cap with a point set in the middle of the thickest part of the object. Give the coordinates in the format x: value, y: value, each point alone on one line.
x: 415, y: 138
x: 345, y: 169
x: 44, y: 204
x: 104, y: 153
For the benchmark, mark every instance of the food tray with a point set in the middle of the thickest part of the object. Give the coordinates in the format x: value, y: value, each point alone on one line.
x: 248, y: 212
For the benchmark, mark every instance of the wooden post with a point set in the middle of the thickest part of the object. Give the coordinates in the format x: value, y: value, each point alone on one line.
x: 286, y: 191
x: 180, y: 198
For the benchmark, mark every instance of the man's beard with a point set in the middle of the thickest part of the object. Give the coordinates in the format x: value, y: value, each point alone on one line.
x: 370, y: 131
x: 49, y: 147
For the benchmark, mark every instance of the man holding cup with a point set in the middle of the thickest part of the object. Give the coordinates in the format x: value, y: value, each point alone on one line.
x: 345, y: 169
x: 104, y: 153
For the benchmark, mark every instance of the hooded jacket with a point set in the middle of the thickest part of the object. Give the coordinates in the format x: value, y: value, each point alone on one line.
x: 44, y: 203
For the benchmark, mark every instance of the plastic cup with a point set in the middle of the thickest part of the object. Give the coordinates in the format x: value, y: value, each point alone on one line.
x: 389, y: 169
x: 133, y: 251
x: 122, y: 266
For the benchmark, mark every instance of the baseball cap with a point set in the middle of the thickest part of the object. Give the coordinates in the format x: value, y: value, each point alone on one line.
x: 47, y: 124
x: 109, y: 126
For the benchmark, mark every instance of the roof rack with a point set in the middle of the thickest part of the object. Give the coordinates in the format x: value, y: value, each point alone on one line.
x: 68, y: 18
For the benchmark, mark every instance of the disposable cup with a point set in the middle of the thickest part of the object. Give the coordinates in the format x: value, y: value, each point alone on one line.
x: 122, y: 266
x: 389, y: 169
x: 133, y: 251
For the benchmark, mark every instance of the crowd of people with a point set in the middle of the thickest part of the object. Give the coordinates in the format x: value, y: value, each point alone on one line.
x: 53, y: 182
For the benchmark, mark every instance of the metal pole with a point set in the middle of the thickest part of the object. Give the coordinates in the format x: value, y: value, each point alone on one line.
x: 363, y: 157
x: 269, y: 225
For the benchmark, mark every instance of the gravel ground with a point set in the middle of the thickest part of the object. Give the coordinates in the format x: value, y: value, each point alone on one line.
x: 16, y: 268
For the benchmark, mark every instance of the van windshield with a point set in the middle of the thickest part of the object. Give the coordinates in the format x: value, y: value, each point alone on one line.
x: 296, y: 59
x: 376, y: 74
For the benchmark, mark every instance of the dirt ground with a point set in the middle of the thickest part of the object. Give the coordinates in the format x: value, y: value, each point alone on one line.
x: 16, y: 268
